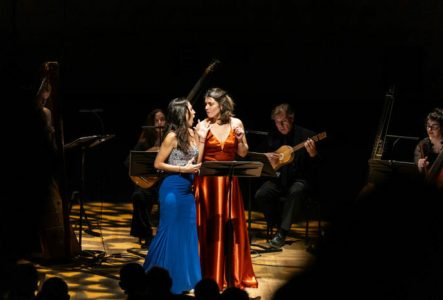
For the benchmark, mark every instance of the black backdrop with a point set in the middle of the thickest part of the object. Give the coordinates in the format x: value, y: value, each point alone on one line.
x: 333, y: 61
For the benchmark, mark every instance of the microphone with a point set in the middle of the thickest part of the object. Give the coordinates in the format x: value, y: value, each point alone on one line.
x: 93, y: 110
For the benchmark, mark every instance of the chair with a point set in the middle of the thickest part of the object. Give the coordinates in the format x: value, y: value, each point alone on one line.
x: 311, y: 211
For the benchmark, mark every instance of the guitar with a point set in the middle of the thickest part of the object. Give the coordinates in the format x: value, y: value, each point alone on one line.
x: 286, y: 153
x: 146, y: 182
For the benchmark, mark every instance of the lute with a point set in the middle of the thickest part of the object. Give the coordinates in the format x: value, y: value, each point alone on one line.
x: 286, y: 153
x: 146, y: 182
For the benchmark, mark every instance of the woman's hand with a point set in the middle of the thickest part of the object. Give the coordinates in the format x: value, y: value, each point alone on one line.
x: 239, y: 133
x: 202, y: 130
x: 422, y: 163
x: 190, y: 167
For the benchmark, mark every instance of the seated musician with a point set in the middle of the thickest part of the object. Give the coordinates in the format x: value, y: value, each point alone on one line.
x: 281, y: 199
x: 143, y: 198
x: 430, y: 148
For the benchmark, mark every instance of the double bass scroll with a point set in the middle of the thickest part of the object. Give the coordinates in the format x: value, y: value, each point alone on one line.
x: 192, y: 96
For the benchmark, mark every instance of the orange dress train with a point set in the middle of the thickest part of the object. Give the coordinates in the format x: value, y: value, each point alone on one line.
x: 212, y: 197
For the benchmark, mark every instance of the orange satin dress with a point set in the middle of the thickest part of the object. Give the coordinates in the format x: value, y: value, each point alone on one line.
x: 211, y: 193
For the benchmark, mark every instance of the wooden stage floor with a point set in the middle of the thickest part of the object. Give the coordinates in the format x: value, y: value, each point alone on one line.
x: 95, y: 274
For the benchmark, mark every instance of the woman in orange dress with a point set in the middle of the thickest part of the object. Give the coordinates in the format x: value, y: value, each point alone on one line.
x: 222, y: 138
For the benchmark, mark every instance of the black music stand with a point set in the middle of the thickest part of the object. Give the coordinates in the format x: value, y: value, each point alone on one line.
x: 230, y: 169
x: 85, y: 143
x: 141, y: 164
x: 267, y: 171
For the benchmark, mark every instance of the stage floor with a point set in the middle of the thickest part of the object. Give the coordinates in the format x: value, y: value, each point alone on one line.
x: 95, y: 273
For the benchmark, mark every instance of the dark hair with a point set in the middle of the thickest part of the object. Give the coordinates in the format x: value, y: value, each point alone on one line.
x: 206, y: 289
x: 149, y: 135
x: 225, y: 101
x: 234, y: 293
x: 178, y: 123
x: 435, y: 115
x: 54, y: 288
x: 132, y: 277
x: 159, y: 282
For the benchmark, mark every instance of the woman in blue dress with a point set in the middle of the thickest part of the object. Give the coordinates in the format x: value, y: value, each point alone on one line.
x: 175, y: 246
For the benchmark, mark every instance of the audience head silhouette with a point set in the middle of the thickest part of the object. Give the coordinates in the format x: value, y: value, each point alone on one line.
x: 234, y: 293
x: 159, y: 282
x: 132, y: 278
x: 206, y: 289
x: 54, y: 288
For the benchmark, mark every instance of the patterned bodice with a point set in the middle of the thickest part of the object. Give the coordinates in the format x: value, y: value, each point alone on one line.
x: 180, y: 158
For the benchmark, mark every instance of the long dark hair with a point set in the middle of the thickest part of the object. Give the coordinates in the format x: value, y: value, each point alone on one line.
x: 225, y: 101
x: 178, y: 123
x: 150, y: 136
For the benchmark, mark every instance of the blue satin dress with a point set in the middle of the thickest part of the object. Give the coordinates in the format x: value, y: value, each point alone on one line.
x: 175, y: 246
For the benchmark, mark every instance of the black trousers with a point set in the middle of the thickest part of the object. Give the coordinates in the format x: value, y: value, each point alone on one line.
x: 281, y: 205
x: 142, y: 203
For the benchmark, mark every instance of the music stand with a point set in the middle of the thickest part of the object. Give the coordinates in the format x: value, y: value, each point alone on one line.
x: 267, y: 171
x: 230, y: 169
x: 141, y: 163
x: 101, y: 139
x: 85, y: 142
x: 81, y: 141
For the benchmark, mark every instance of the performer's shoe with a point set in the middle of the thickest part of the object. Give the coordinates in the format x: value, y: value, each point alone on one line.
x: 278, y: 240
x: 146, y: 242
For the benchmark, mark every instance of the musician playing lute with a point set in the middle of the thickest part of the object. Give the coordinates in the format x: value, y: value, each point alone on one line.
x: 282, y: 198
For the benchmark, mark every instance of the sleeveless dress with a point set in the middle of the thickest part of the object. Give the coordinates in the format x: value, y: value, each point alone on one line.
x: 175, y: 246
x: 212, y: 215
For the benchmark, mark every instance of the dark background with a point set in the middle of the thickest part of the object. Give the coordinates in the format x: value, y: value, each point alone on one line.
x: 334, y: 62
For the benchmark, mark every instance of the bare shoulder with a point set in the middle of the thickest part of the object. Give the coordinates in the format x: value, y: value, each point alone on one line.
x: 199, y: 124
x: 191, y: 132
x: 170, y: 139
x: 236, y: 122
